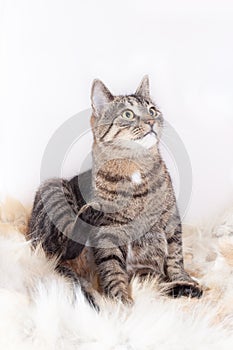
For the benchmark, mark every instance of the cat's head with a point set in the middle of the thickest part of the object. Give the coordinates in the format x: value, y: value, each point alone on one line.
x: 132, y: 117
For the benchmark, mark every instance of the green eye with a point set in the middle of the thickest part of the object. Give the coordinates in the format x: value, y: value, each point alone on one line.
x: 152, y: 111
x: 128, y: 114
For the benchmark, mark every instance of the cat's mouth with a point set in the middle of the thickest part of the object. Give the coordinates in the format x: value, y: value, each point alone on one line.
x: 151, y: 132
x: 148, y: 140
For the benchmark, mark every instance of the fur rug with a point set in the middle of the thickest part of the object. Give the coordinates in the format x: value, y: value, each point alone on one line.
x: 38, y: 310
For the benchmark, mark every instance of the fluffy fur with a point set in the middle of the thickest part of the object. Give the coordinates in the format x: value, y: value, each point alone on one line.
x: 38, y: 309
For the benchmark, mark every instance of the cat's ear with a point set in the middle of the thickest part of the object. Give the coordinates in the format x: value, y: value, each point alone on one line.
x: 100, y: 96
x: 144, y: 87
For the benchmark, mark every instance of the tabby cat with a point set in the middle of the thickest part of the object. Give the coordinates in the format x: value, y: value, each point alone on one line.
x: 124, y: 209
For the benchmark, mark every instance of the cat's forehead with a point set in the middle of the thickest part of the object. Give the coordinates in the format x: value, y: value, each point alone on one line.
x: 132, y: 100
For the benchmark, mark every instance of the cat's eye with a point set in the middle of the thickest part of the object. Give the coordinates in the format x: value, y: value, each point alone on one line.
x: 153, y: 111
x: 128, y: 114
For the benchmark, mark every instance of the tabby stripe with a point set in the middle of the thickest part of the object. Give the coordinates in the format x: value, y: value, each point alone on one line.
x: 171, y: 257
x: 57, y: 204
x: 112, y: 273
x: 46, y: 196
x: 130, y: 102
x: 111, y: 257
x: 156, y: 166
x: 110, y: 178
x: 72, y: 204
x: 118, y: 222
x: 117, y: 133
x: 61, y: 215
x: 124, y: 193
x: 63, y: 227
x: 106, y: 132
x: 90, y: 299
x: 38, y: 205
x: 106, y: 221
x: 137, y: 98
x: 123, y: 252
x: 117, y: 177
x: 114, y: 285
x: 174, y: 239
x: 107, y: 236
x: 41, y: 218
x: 178, y: 263
x: 140, y: 194
x: 170, y: 240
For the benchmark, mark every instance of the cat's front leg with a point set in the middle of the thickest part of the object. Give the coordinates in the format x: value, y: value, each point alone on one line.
x: 110, y: 261
x: 181, y: 283
x: 146, y: 256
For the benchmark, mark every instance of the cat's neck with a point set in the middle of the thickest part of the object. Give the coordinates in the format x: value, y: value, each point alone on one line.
x: 125, y: 150
x: 124, y: 162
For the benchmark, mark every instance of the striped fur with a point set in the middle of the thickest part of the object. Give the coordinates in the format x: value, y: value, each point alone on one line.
x: 136, y: 229
x: 146, y: 238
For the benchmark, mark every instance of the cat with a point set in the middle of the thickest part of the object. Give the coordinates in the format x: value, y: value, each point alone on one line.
x: 124, y: 209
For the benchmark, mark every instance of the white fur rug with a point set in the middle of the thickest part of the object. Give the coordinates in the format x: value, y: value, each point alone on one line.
x: 38, y: 311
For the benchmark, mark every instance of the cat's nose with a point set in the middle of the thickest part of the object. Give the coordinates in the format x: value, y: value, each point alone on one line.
x: 150, y: 122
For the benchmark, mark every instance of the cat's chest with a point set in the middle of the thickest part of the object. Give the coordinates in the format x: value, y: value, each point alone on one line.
x: 130, y: 182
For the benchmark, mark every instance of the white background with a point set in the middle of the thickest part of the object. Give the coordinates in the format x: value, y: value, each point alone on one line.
x: 51, y: 50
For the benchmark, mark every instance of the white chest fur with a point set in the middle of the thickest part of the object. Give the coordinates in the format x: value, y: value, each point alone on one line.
x: 136, y: 178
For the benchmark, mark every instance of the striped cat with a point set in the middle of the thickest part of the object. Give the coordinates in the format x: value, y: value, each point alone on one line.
x: 131, y: 224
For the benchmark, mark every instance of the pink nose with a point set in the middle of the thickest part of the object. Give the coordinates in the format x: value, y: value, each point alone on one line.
x: 150, y: 122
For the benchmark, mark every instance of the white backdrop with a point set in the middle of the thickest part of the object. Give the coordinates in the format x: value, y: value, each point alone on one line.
x: 51, y: 50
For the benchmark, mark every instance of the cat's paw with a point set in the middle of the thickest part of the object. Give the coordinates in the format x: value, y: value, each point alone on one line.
x: 187, y: 290
x: 127, y: 300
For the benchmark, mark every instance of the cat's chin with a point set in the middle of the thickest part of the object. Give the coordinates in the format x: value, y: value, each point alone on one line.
x: 145, y: 143
x: 148, y: 141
